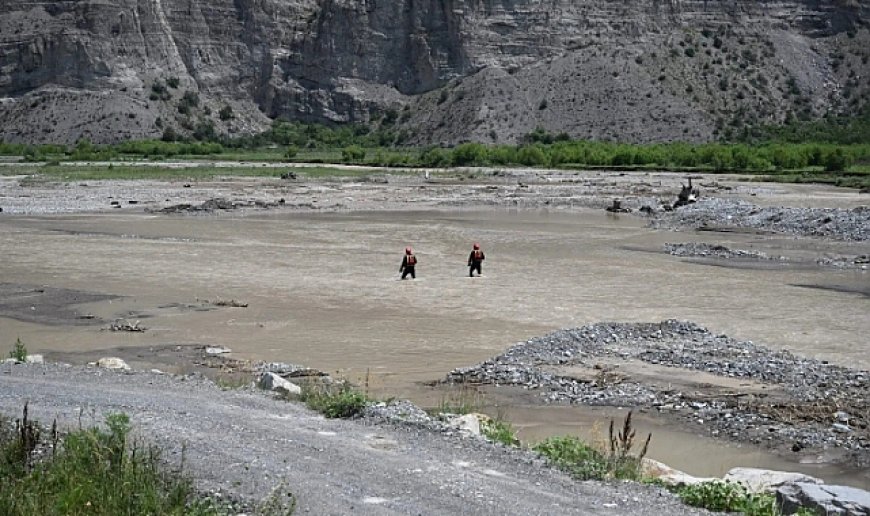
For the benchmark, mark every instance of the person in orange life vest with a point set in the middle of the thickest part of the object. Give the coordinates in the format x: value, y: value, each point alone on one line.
x: 408, y: 264
x: 475, y: 260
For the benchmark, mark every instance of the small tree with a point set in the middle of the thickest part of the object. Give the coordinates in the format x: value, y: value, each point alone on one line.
x: 226, y: 113
x: 353, y: 153
x: 19, y: 352
x: 292, y: 151
x: 169, y: 135
x: 836, y: 161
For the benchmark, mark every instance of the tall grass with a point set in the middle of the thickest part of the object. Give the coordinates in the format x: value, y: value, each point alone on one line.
x: 90, y: 471
x: 588, y: 462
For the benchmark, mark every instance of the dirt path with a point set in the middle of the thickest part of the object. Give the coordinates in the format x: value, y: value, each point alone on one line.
x: 246, y: 444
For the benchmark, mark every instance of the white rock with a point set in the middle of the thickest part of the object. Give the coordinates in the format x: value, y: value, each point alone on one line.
x: 217, y: 350
x: 111, y: 363
x: 765, y: 480
x: 273, y: 382
x: 468, y: 423
x: 668, y: 475
x: 34, y: 359
x: 841, y: 428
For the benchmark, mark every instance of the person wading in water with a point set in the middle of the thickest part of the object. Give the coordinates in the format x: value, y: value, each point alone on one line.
x: 475, y: 260
x: 409, y: 261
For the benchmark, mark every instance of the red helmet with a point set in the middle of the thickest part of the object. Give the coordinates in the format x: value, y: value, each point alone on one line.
x: 407, y: 250
x: 476, y: 245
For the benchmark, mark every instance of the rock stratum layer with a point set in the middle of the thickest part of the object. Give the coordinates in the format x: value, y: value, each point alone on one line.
x: 441, y: 71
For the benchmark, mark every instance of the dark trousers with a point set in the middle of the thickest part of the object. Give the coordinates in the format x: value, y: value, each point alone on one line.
x: 409, y: 270
x: 475, y: 266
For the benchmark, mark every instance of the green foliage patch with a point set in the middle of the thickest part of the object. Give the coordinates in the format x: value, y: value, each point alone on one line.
x: 335, y: 400
x: 586, y: 462
x: 724, y: 496
x: 94, y: 471
x: 19, y: 351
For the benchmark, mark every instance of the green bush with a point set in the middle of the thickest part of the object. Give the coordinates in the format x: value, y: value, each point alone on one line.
x: 19, y: 351
x: 836, y: 160
x: 353, y: 153
x: 500, y: 431
x: 226, y: 113
x: 435, y: 157
x: 574, y: 456
x: 586, y: 462
x: 92, y: 471
x: 469, y: 154
x: 724, y: 496
x: 342, y: 401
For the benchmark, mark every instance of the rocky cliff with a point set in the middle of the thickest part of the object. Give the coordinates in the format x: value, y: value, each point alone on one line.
x: 441, y: 71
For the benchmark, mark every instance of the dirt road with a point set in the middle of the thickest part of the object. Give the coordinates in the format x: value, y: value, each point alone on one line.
x: 246, y: 444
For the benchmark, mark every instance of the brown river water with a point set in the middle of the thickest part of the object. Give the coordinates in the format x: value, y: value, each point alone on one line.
x: 323, y: 290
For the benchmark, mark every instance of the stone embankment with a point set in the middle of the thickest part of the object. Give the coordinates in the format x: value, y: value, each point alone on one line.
x: 736, y: 390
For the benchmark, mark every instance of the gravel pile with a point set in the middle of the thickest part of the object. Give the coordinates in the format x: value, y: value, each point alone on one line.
x: 702, y: 250
x: 860, y: 261
x: 816, y: 405
x: 842, y: 224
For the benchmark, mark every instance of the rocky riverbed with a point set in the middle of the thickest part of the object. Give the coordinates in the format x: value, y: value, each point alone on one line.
x: 713, y: 213
x: 735, y: 390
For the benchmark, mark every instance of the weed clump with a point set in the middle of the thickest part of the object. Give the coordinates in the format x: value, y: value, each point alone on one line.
x: 93, y: 471
x: 335, y: 401
x: 500, y: 431
x: 587, y: 462
x: 19, y: 351
x: 724, y: 496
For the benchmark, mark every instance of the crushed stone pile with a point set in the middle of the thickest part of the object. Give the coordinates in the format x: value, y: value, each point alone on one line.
x: 842, y: 224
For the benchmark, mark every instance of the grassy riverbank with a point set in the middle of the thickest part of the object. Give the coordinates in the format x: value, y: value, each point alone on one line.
x: 833, y: 153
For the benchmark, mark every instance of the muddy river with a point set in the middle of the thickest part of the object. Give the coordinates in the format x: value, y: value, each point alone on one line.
x: 324, y: 291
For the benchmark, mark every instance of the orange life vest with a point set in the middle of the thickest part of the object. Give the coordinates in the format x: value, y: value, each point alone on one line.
x: 411, y: 261
x: 477, y: 255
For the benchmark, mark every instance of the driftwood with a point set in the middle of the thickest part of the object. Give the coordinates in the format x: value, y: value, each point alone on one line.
x: 688, y: 195
x: 616, y: 207
x: 125, y: 325
x: 231, y: 303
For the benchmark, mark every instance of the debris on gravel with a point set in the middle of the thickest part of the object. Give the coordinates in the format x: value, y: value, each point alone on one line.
x: 796, y: 406
x: 218, y: 204
x: 860, y: 261
x: 842, y: 224
x: 703, y: 250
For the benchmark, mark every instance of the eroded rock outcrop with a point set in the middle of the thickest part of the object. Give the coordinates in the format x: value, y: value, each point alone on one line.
x: 439, y: 71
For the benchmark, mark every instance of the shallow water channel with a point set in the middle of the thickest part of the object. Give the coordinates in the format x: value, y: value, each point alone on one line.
x: 323, y: 290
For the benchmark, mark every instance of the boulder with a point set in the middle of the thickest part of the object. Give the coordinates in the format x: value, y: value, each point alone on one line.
x: 823, y: 499
x: 765, y: 480
x: 670, y: 476
x: 34, y: 359
x: 111, y: 363
x: 468, y: 423
x: 273, y: 382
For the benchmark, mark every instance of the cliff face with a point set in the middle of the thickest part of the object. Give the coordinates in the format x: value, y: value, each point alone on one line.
x: 450, y: 70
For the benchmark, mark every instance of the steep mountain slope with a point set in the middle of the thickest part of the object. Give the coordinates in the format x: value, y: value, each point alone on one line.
x: 441, y: 70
